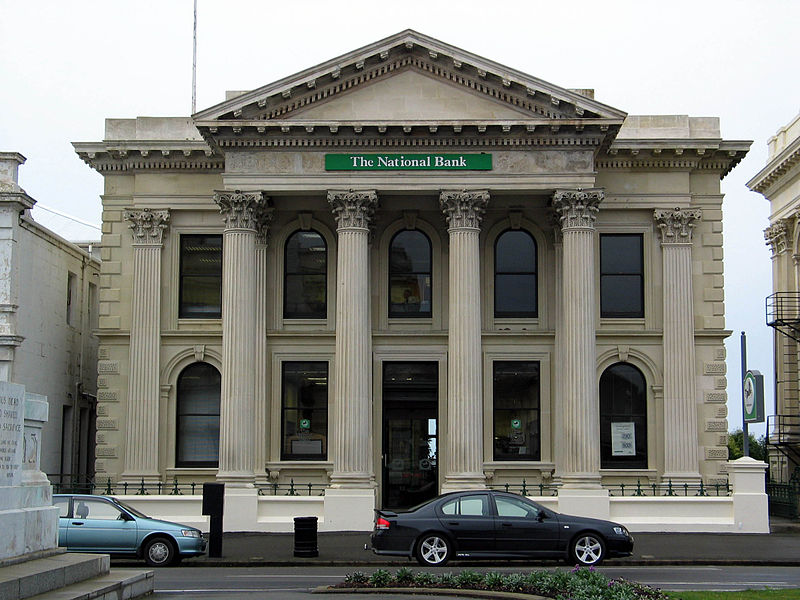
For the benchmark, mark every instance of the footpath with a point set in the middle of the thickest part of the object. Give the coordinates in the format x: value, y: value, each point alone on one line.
x: 780, y: 548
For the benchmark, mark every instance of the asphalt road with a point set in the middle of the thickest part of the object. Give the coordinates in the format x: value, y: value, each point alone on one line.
x: 295, y: 583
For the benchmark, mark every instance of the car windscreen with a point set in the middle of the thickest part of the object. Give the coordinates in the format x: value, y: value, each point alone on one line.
x: 130, y: 509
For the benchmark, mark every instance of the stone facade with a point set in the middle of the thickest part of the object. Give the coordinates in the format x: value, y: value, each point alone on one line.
x: 573, y: 177
x: 779, y: 182
x: 49, y: 290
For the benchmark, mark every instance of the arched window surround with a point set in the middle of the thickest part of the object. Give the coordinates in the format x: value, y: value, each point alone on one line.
x: 192, y: 411
x: 423, y: 307
x: 621, y: 417
x: 307, y: 278
x: 511, y: 278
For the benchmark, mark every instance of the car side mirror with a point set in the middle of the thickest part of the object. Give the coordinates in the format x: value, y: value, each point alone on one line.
x: 541, y: 516
x: 125, y: 517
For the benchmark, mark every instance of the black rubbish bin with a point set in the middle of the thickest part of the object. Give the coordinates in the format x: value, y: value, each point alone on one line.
x: 305, y: 537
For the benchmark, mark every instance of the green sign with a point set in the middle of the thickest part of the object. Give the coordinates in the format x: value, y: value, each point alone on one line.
x: 753, y: 397
x: 305, y: 424
x: 516, y: 424
x: 408, y: 162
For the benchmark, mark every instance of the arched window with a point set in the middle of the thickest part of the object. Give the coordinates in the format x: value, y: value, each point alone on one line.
x: 410, y: 275
x: 515, y: 288
x: 623, y: 418
x: 197, y: 423
x: 305, y: 273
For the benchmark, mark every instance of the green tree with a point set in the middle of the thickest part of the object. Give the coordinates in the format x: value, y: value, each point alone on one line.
x: 758, y: 446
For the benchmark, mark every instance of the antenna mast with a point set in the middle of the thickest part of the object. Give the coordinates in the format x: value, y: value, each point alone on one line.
x: 194, y: 61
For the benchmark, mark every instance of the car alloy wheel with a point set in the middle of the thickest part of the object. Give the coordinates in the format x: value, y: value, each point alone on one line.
x: 588, y: 549
x: 159, y: 552
x: 433, y: 550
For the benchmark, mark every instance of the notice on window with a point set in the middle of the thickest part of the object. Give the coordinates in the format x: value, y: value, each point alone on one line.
x: 623, y: 439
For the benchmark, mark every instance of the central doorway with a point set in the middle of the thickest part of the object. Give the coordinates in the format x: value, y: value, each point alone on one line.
x: 410, y: 433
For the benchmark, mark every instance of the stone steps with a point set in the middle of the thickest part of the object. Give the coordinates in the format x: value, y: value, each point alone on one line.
x: 72, y: 576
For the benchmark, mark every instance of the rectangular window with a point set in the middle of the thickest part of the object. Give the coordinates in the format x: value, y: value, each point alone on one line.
x: 621, y: 276
x: 72, y: 297
x: 517, y: 429
x: 304, y: 411
x: 201, y: 277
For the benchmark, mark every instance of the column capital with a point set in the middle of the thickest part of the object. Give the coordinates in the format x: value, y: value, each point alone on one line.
x: 676, y: 225
x: 353, y: 208
x: 240, y: 209
x: 577, y: 209
x: 147, y: 226
x: 263, y: 218
x: 777, y: 236
x: 464, y: 209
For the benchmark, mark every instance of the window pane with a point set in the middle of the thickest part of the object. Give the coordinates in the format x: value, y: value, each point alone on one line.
x: 305, y: 271
x: 201, y: 277
x: 623, y: 407
x: 197, y: 423
x: 475, y: 506
x: 305, y: 411
x: 515, y: 253
x: 410, y: 295
x: 516, y: 410
x: 621, y: 295
x: 410, y: 252
x: 515, y: 295
x: 621, y: 254
x: 621, y: 276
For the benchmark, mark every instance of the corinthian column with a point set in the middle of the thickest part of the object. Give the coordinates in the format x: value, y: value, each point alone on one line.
x: 240, y: 212
x: 463, y: 451
x: 142, y: 440
x: 351, y: 447
x: 261, y: 385
x: 681, y: 446
x: 580, y: 416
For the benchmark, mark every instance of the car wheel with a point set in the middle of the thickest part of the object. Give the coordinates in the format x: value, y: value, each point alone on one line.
x: 159, y: 552
x: 587, y: 549
x: 433, y: 550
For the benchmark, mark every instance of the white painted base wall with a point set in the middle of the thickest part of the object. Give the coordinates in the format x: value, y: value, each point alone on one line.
x: 744, y: 511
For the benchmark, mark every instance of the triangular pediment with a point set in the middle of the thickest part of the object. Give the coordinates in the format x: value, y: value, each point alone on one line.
x: 408, y: 76
x: 406, y: 96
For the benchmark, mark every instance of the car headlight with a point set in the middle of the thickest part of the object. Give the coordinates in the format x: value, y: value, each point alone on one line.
x: 190, y: 533
x: 621, y: 531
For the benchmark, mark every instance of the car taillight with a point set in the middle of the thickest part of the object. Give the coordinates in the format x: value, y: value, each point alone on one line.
x: 382, y: 523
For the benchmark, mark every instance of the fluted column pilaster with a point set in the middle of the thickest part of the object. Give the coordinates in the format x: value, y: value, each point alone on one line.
x: 240, y: 212
x: 463, y: 448
x: 351, y: 443
x: 261, y: 380
x: 148, y: 228
x: 558, y: 350
x: 580, y: 412
x: 681, y: 445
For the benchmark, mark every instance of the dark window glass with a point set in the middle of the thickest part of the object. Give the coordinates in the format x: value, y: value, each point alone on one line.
x: 623, y: 418
x: 621, y: 276
x: 410, y: 275
x: 516, y: 410
x: 306, y: 276
x: 198, y: 417
x: 305, y: 411
x: 515, y: 288
x: 201, y: 277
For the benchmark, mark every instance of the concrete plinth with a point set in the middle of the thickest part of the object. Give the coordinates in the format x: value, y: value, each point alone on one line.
x: 584, y: 502
x: 349, y: 509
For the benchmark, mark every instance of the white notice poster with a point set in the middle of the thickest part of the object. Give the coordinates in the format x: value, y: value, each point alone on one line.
x: 623, y: 439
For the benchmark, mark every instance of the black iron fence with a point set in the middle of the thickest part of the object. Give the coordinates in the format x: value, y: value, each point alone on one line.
x: 666, y: 488
x: 65, y: 484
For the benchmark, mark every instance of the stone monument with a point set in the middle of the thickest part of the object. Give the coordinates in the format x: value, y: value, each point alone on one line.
x: 28, y: 519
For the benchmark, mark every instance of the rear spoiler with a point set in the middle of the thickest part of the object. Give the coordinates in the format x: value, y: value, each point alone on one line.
x: 384, y: 513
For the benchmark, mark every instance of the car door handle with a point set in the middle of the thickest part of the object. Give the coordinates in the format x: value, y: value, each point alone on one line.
x: 452, y: 522
x: 77, y: 522
x: 508, y: 524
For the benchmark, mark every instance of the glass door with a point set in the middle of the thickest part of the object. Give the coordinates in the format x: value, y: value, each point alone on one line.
x: 410, y: 433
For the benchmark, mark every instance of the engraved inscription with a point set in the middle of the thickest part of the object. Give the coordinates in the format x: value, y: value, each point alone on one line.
x: 102, y: 353
x: 716, y: 425
x: 715, y: 397
x: 721, y: 383
x: 716, y: 453
x: 719, y: 353
x: 108, y: 396
x: 107, y: 451
x: 108, y: 366
x: 102, y: 382
x: 102, y: 410
x: 107, y: 424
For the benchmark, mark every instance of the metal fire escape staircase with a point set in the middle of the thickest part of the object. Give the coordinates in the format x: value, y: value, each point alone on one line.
x: 783, y: 430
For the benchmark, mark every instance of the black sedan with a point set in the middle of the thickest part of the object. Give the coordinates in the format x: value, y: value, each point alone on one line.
x: 491, y: 524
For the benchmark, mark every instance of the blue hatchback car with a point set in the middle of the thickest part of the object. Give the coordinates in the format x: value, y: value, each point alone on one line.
x: 103, y: 524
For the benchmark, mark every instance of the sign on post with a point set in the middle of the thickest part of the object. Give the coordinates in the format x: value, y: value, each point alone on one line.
x: 753, y: 397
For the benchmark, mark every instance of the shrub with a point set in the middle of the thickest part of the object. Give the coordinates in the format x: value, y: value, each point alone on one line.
x: 356, y: 577
x: 404, y: 576
x: 380, y: 578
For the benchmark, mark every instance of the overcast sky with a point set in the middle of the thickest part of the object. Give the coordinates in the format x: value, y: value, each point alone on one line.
x: 65, y: 66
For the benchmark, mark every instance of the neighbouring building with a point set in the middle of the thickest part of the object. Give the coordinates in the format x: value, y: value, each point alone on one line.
x: 779, y: 182
x: 411, y: 269
x: 49, y: 296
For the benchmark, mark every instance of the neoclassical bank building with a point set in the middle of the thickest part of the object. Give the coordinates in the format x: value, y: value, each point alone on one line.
x: 409, y: 270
